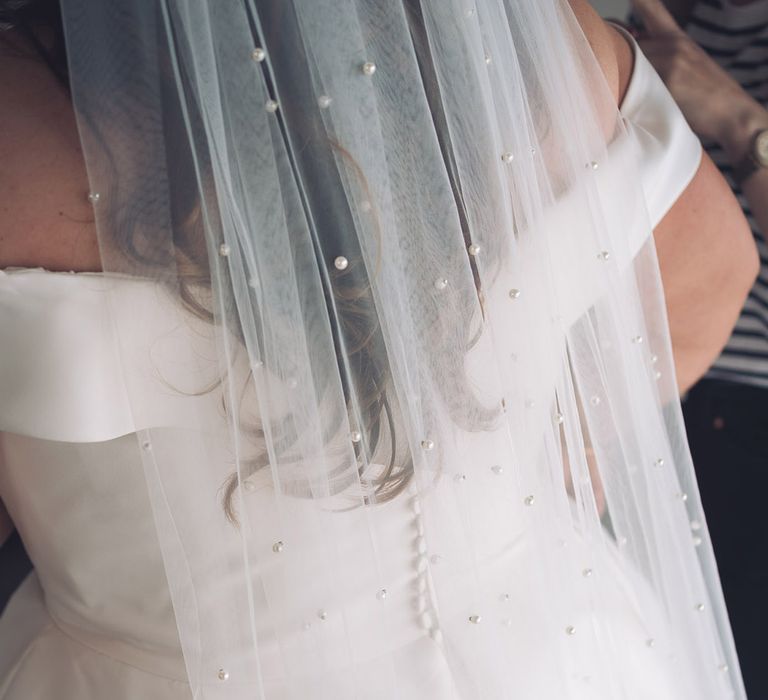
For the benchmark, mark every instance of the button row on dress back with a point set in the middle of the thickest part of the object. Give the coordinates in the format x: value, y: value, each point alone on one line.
x: 425, y: 605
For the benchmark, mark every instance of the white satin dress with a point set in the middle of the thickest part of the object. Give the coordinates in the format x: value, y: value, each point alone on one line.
x: 95, y: 621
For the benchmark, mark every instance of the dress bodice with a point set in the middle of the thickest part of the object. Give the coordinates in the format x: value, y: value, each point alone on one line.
x: 71, y: 474
x: 86, y: 521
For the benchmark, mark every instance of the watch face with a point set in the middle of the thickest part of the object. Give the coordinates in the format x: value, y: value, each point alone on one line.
x: 761, y: 148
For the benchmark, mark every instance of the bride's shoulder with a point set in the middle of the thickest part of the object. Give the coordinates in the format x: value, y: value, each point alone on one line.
x: 46, y: 219
x: 611, y: 49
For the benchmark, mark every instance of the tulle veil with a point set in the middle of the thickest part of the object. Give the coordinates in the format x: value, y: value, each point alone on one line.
x: 394, y: 343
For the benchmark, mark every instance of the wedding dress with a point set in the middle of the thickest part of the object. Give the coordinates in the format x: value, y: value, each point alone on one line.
x: 95, y: 621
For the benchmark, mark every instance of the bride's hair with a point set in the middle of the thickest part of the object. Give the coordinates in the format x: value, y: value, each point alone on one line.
x: 133, y: 236
x: 32, y: 19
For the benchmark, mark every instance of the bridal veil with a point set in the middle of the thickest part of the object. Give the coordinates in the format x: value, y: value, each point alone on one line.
x: 394, y: 346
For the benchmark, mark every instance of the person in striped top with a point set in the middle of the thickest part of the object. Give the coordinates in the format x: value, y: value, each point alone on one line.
x: 713, y: 56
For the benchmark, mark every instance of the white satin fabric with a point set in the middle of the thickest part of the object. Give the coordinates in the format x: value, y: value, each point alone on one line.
x: 95, y: 620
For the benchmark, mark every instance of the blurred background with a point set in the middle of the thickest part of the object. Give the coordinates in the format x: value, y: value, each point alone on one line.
x: 611, y: 8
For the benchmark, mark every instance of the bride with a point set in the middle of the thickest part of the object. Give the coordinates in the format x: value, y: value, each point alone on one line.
x: 335, y: 361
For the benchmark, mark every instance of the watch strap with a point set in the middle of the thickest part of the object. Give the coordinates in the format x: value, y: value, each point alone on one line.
x: 750, y: 163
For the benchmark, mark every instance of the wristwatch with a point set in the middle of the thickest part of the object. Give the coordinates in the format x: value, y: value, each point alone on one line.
x: 755, y: 159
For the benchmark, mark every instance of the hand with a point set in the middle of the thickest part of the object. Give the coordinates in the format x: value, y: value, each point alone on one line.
x: 714, y: 104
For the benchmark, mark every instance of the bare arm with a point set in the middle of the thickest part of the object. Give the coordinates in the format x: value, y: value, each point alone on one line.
x: 708, y: 263
x: 706, y: 274
x: 718, y: 257
x: 706, y: 252
x: 680, y: 9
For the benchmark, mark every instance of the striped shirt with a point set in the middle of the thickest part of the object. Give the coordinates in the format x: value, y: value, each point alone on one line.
x: 737, y: 38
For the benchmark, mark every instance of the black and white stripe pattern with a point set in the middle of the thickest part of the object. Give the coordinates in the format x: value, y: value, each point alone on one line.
x: 737, y: 38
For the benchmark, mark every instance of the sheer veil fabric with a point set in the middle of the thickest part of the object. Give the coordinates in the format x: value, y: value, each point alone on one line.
x: 394, y: 346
